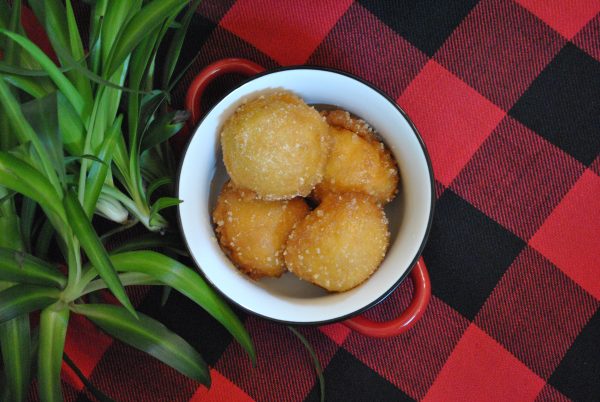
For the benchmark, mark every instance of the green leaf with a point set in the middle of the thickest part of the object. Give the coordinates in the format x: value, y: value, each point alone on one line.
x: 62, y: 31
x: 61, y: 81
x: 44, y: 238
x: 22, y: 299
x: 15, y: 344
x: 9, y: 196
x: 96, y: 20
x: 4, y: 13
x: 25, y: 133
x: 150, y: 17
x: 148, y: 335
x: 10, y: 51
x: 141, y: 65
x: 98, y: 172
x: 28, y: 208
x: 152, y: 240
x: 176, y: 44
x: 42, y: 116
x: 188, y: 283
x: 155, y: 185
x: 25, y: 179
x: 160, y: 204
x: 153, y: 165
x: 164, y: 297
x: 16, y: 266
x: 72, y: 65
x: 113, y: 25
x: 53, y: 331
x: 71, y: 126
x: 141, y: 113
x: 99, y: 395
x: 163, y: 128
x: 104, y: 110
x: 149, y: 105
x: 77, y: 52
x: 30, y: 85
x: 127, y: 279
x: 94, y: 249
x: 71, y: 159
x: 9, y: 222
x: 26, y: 72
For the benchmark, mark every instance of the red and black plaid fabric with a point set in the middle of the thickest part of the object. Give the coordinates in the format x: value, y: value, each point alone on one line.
x: 506, y: 94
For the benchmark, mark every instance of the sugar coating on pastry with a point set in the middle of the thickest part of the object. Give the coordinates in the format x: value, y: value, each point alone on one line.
x: 275, y: 145
x: 358, y: 161
x: 340, y: 244
x: 253, y: 232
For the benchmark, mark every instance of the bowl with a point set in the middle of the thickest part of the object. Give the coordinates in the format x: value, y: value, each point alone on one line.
x: 202, y: 174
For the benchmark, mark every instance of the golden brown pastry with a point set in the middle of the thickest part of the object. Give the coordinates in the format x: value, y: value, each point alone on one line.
x: 253, y: 232
x: 358, y: 161
x: 339, y: 244
x: 276, y: 146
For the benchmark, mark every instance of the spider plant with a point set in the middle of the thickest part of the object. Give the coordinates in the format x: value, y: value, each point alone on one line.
x: 75, y: 128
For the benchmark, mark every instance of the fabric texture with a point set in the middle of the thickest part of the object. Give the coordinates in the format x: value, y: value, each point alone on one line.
x: 506, y: 95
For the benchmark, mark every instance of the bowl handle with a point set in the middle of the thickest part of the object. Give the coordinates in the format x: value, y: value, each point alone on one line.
x: 208, y: 74
x: 407, y: 319
x: 419, y: 275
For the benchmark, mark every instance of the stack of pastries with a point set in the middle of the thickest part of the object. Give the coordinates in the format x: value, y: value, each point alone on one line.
x: 306, y: 193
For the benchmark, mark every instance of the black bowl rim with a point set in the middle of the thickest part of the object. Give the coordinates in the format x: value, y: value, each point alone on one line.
x: 394, y: 286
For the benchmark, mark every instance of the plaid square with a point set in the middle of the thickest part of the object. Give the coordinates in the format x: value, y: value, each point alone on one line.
x: 147, y: 379
x: 85, y: 345
x: 453, y: 118
x: 412, y: 360
x: 578, y: 373
x: 567, y: 17
x: 351, y: 386
x: 467, y: 254
x: 439, y: 189
x: 214, y: 10
x: 536, y: 312
x: 426, y: 24
x: 587, y: 38
x: 336, y: 332
x: 220, y: 44
x: 499, y: 56
x: 550, y: 394
x: 362, y: 45
x: 276, y: 347
x: 570, y: 238
x: 595, y: 166
x: 221, y: 389
x: 479, y: 369
x: 191, y: 322
x: 288, y: 31
x: 563, y: 105
x: 517, y: 178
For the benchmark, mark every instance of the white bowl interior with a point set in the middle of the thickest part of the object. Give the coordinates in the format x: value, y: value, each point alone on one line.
x: 287, y: 298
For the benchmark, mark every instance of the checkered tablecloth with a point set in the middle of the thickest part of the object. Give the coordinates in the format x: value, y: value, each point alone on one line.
x: 507, y: 97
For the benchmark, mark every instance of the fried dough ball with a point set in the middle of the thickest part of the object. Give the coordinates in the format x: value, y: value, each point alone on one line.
x: 253, y: 232
x: 339, y: 244
x: 275, y: 145
x: 358, y: 161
